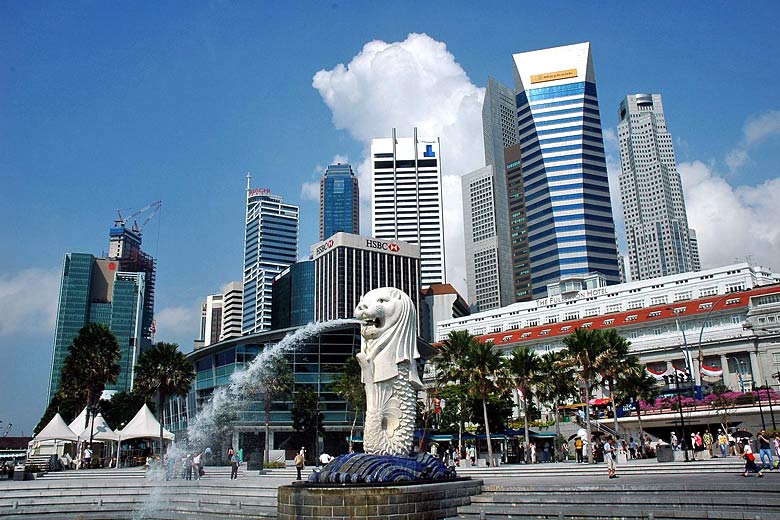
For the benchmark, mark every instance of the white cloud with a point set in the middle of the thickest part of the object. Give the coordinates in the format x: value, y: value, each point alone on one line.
x: 310, y: 191
x: 756, y: 130
x: 28, y: 302
x: 731, y: 222
x: 178, y: 325
x: 402, y: 85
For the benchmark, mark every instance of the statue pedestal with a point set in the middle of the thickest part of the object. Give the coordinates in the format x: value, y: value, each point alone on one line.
x: 402, y: 501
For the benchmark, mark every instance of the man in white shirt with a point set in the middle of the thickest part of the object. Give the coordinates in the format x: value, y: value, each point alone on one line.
x: 609, y: 457
x: 196, y: 465
x: 87, y: 457
x: 325, y: 458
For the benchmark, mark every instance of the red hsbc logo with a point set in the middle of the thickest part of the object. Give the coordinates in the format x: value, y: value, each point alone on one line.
x: 329, y: 244
x: 393, y: 247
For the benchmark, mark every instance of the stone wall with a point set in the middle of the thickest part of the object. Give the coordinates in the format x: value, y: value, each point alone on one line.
x: 399, y: 502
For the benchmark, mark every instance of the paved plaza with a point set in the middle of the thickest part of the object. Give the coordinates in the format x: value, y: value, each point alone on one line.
x: 645, y: 489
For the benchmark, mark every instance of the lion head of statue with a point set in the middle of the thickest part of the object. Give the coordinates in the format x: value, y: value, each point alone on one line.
x: 389, y: 331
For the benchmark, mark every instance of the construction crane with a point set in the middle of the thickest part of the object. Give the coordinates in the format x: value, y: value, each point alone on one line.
x: 7, y: 429
x: 152, y: 209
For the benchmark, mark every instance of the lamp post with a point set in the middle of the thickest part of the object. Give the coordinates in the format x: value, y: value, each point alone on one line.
x: 701, y: 334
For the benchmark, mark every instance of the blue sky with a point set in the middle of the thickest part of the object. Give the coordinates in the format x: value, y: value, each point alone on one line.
x: 115, y: 105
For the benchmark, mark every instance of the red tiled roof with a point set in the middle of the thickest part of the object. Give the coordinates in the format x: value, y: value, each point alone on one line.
x: 735, y: 300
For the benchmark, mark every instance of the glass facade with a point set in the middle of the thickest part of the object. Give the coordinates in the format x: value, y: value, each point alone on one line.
x: 94, y: 291
x: 270, y: 246
x: 293, y: 297
x: 562, y: 155
x: 339, y: 201
x: 315, y: 364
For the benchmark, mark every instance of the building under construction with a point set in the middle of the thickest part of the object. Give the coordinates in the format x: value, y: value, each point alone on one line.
x: 116, y: 291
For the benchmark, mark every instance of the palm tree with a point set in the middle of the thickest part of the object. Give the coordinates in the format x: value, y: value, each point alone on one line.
x: 450, y: 369
x: 275, y: 383
x: 584, y: 346
x: 163, y: 369
x: 485, y: 375
x: 556, y: 383
x: 350, y: 388
x: 611, y: 364
x: 637, y: 385
x: 92, y: 362
x: 523, y: 367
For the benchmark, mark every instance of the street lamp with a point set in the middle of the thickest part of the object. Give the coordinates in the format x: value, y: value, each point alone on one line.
x: 701, y: 352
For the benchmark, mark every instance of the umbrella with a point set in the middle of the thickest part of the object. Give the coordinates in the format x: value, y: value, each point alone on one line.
x: 573, y: 435
x: 742, y: 433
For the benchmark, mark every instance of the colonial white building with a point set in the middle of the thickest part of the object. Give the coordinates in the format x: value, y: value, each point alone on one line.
x: 722, y: 313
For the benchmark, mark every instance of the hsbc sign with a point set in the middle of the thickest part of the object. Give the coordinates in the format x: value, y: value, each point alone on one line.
x: 324, y: 247
x: 382, y: 246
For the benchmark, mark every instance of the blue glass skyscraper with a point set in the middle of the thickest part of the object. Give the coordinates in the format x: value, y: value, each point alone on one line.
x: 270, y: 246
x: 339, y: 201
x: 571, y: 231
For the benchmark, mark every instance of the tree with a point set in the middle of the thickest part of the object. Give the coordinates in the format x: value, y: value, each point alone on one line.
x: 556, y: 383
x: 584, y: 346
x: 611, y: 363
x: 350, y: 388
x: 450, y: 367
x: 523, y: 367
x: 273, y: 383
x: 122, y: 407
x: 307, y: 418
x: 163, y: 369
x: 636, y: 385
x: 91, y: 363
x: 486, y: 377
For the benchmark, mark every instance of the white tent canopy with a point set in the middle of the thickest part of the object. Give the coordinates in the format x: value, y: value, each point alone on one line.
x: 56, y: 430
x: 143, y: 425
x: 100, y: 431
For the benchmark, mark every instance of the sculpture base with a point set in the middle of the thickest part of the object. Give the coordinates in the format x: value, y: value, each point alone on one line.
x: 366, y: 468
x: 401, y: 501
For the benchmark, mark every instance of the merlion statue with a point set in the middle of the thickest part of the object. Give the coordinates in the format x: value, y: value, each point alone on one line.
x: 387, y: 360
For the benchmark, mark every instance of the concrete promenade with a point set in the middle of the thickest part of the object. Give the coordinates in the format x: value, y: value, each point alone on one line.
x: 645, y: 489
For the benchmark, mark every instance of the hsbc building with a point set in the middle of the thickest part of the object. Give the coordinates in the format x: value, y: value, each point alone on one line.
x: 346, y: 266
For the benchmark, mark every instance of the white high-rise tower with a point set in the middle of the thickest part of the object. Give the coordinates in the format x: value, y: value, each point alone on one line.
x: 659, y: 240
x: 406, y: 199
x: 270, y: 246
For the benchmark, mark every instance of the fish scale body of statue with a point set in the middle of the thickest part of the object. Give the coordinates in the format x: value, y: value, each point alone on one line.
x: 388, y: 365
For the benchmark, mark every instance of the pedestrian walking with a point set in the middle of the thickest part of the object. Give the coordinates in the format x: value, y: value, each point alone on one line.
x: 197, y: 466
x: 777, y: 446
x: 723, y: 443
x: 750, y: 462
x: 299, y: 463
x: 732, y: 443
x: 578, y: 445
x: 610, y: 448
x: 708, y: 440
x: 673, y: 441
x: 234, y: 465
x: 765, y: 449
x: 87, y: 457
x: 187, y: 463
x: 698, y: 445
x: 631, y: 448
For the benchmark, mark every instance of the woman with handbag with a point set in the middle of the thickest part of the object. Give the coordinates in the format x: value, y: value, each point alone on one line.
x: 750, y: 461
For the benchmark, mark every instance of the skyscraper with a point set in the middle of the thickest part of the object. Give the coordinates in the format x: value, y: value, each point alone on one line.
x: 270, y: 246
x: 518, y: 230
x: 339, y: 201
x: 117, y: 291
x: 659, y: 240
x: 569, y: 216
x: 485, y: 206
x: 406, y: 203
x: 293, y: 294
x: 347, y: 266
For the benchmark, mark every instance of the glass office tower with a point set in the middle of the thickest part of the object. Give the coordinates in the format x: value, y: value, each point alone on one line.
x: 339, y: 201
x: 270, y: 246
x: 569, y: 215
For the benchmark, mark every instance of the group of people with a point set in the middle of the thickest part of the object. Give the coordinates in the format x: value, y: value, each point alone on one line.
x: 183, y: 467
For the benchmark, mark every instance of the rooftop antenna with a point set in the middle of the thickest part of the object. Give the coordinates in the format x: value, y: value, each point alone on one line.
x: 248, y: 178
